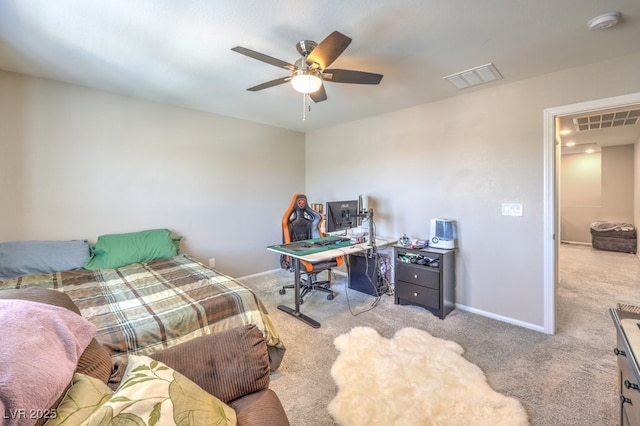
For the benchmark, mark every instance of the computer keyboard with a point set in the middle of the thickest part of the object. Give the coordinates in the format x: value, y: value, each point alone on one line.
x: 331, y: 241
x: 342, y: 240
x: 324, y: 242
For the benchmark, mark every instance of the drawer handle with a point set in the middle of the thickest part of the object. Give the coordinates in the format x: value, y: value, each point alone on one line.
x: 625, y: 400
x: 618, y: 352
x: 416, y: 294
x: 630, y: 385
x: 415, y: 276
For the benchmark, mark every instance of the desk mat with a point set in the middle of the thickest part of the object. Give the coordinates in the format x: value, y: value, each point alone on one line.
x: 306, y: 247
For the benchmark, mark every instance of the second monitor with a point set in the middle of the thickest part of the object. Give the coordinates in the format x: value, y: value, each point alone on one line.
x: 342, y: 215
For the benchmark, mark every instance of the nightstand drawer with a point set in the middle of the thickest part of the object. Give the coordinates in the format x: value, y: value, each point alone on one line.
x: 419, y: 275
x: 425, y: 277
x: 630, y: 401
x: 417, y: 295
x: 626, y: 349
x: 629, y: 387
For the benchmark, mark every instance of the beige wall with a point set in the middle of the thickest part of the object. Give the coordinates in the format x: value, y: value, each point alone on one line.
x: 596, y: 187
x: 636, y: 189
x: 580, y: 195
x: 78, y: 163
x: 617, y: 183
x: 461, y: 158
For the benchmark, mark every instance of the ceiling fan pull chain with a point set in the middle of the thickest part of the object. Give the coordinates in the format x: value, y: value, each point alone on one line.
x: 306, y: 104
x: 304, y: 107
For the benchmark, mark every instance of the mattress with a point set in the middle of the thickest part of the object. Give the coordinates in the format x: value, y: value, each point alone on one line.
x: 613, y: 236
x: 613, y: 229
x: 146, y: 307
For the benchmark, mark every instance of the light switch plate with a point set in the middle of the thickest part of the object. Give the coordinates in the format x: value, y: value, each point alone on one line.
x: 511, y: 209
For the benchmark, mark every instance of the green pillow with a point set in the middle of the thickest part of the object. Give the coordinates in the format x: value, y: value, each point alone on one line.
x: 116, y: 250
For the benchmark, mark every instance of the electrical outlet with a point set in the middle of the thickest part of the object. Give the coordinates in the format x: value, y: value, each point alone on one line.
x: 511, y: 209
x: 212, y: 263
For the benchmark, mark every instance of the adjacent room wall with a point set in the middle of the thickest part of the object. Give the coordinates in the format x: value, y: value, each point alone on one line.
x: 596, y: 187
x: 636, y: 189
x: 78, y: 163
x: 617, y: 183
x: 461, y: 158
x: 580, y: 195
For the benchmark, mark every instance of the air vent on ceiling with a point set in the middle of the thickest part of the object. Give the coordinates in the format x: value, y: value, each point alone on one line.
x: 606, y: 120
x: 474, y: 76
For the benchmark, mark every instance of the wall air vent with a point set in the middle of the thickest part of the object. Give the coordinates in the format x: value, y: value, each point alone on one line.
x: 474, y: 76
x: 606, y: 120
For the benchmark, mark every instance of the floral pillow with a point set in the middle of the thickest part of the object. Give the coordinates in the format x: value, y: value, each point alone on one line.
x: 150, y: 394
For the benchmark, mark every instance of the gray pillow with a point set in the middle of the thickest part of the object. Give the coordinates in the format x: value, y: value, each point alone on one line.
x: 18, y: 258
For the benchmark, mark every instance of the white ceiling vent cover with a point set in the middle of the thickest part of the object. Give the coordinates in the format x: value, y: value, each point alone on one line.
x: 607, y: 119
x: 474, y: 76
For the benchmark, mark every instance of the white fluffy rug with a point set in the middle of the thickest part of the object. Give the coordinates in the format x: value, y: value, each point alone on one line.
x: 413, y: 379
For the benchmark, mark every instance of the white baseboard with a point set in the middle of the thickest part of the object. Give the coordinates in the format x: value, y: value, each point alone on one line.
x: 501, y: 318
x: 465, y: 308
x: 259, y: 274
x: 575, y: 243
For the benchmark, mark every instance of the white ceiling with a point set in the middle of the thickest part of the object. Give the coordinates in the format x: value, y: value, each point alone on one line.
x: 179, y: 51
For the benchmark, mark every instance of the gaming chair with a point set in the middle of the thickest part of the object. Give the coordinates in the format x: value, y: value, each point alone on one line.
x: 301, y: 222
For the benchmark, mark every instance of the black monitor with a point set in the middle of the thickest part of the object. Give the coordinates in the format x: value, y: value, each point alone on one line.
x: 342, y: 215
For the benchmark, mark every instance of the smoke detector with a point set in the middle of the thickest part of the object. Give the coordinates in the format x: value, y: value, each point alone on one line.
x: 604, y: 21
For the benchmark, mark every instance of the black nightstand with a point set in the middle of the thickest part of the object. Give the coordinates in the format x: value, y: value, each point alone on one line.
x: 425, y: 277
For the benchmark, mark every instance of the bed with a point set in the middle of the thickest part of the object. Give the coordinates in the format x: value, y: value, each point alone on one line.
x: 143, y: 307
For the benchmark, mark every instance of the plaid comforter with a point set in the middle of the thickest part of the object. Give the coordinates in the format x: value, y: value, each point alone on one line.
x: 146, y: 307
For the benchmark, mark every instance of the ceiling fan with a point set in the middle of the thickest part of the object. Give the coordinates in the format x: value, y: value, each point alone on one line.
x: 310, y: 71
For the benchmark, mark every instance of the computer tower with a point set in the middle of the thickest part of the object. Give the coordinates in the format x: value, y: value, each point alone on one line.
x: 363, y: 275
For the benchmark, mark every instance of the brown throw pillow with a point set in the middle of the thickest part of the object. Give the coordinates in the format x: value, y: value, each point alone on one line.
x: 228, y: 364
x: 94, y: 361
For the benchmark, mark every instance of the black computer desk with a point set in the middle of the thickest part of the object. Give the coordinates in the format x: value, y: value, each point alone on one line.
x: 309, y: 252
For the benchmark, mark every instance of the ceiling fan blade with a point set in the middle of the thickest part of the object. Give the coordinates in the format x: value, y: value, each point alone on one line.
x: 264, y: 58
x: 351, y: 76
x: 328, y: 50
x: 268, y: 84
x: 319, y: 95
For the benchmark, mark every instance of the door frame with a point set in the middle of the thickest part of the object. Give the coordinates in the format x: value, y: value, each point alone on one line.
x: 551, y: 221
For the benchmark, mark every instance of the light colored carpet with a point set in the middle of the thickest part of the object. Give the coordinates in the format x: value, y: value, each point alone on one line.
x: 565, y: 379
x: 413, y: 379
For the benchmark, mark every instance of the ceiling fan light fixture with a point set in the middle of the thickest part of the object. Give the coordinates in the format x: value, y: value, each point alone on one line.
x: 306, y: 81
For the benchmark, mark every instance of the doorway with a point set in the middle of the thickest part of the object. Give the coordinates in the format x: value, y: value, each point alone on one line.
x: 551, y: 220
